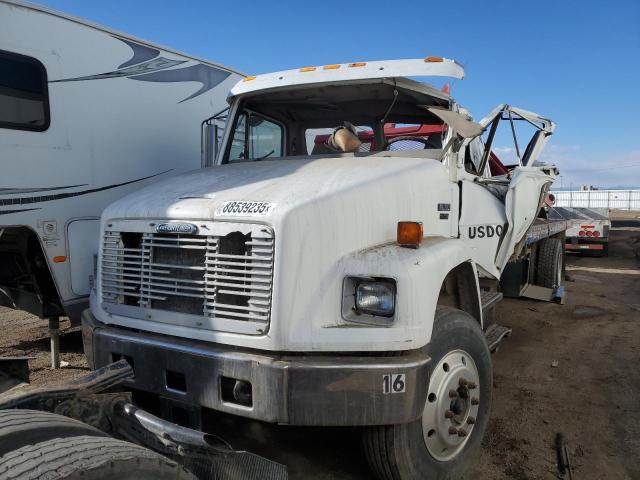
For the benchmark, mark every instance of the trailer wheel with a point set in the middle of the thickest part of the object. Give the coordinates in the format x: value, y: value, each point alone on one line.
x: 89, y: 458
x: 27, y: 427
x: 550, y: 265
x: 445, y: 442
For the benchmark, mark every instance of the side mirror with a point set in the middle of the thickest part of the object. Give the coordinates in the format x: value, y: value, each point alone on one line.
x: 209, y: 144
x: 211, y: 133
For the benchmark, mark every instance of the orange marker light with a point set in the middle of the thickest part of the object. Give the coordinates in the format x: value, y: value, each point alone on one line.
x: 357, y: 64
x: 59, y: 259
x: 308, y: 69
x: 249, y: 78
x: 331, y: 67
x: 410, y: 234
x: 434, y: 59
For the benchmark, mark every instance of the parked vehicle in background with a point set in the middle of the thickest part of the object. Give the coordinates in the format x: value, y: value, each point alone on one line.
x: 588, y: 229
x: 87, y: 115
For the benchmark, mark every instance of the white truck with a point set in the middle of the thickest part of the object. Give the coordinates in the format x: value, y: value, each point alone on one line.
x: 87, y: 115
x: 308, y: 286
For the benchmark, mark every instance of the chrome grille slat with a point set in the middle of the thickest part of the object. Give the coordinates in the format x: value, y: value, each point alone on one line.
x: 227, y: 277
x: 236, y: 307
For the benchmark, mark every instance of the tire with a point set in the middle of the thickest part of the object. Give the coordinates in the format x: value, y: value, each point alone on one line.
x: 550, y: 263
x: 27, y: 427
x: 89, y: 458
x: 533, y: 265
x: 401, y: 452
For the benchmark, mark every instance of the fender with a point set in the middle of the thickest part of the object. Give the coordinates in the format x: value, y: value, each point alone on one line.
x: 419, y: 275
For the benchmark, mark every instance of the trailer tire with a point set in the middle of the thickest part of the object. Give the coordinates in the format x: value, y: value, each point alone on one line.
x: 402, y: 452
x: 28, y: 427
x: 550, y: 263
x: 89, y: 458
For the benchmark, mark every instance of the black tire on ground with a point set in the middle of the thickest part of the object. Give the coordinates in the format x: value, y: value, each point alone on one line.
x: 27, y: 427
x: 399, y: 452
x: 550, y: 264
x: 89, y: 458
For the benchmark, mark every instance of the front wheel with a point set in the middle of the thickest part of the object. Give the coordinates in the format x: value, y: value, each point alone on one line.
x: 446, y: 440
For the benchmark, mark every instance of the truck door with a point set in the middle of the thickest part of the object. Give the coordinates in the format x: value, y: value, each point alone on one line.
x: 520, y: 185
x: 524, y: 197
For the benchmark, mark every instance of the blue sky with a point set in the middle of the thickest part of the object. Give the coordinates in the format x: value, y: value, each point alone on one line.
x: 577, y: 62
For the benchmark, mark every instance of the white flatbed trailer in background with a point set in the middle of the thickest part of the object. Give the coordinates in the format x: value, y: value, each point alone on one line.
x: 587, y: 229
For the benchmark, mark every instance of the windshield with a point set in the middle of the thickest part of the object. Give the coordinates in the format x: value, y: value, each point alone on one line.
x: 335, y: 119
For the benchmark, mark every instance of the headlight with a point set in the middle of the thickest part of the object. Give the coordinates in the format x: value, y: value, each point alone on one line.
x: 369, y: 300
x: 375, y: 298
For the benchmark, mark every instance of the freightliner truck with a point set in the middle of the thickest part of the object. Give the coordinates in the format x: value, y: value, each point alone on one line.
x: 333, y: 283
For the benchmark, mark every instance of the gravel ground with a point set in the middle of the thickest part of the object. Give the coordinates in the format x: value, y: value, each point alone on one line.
x: 590, y: 395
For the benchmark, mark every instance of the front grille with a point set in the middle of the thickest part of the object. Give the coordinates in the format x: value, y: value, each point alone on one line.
x: 227, y: 276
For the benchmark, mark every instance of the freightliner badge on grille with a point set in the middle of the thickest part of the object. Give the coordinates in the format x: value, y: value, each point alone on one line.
x: 174, y: 227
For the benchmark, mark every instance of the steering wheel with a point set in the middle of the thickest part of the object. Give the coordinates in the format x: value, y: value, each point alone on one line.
x: 423, y: 140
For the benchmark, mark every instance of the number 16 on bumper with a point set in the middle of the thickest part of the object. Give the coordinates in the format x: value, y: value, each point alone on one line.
x: 393, y: 383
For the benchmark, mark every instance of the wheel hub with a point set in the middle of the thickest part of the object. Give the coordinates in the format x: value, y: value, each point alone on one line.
x: 452, y: 405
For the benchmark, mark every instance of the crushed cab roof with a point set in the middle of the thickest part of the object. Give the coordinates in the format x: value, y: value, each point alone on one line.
x: 427, y: 67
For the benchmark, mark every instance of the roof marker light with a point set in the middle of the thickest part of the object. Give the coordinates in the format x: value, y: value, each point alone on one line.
x: 334, y: 66
x: 308, y: 69
x: 434, y: 59
x: 357, y: 64
x: 249, y: 78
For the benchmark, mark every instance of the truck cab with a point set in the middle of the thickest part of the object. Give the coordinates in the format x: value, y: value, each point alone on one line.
x: 297, y: 281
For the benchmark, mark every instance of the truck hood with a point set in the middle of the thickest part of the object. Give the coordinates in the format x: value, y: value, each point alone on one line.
x: 283, y: 183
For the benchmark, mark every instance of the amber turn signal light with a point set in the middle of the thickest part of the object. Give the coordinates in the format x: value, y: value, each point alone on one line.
x: 59, y: 259
x: 410, y: 234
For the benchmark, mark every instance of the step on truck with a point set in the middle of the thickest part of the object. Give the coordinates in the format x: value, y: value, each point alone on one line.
x: 339, y: 282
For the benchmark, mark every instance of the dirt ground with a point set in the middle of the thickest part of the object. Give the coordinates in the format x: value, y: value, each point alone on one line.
x: 591, y: 395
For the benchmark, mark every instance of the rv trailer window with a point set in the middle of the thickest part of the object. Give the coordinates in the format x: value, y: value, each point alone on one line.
x: 24, y: 102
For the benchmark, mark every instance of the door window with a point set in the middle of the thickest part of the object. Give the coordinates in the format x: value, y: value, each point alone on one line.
x: 255, y: 138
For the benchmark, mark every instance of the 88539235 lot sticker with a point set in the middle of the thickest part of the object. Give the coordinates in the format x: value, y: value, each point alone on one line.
x: 245, y: 209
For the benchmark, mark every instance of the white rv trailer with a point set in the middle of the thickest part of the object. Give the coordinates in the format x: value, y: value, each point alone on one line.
x: 87, y: 115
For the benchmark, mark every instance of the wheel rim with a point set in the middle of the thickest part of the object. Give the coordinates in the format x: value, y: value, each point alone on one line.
x: 451, y: 410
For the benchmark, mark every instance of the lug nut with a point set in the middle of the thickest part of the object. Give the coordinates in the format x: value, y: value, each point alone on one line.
x: 453, y: 394
x: 448, y: 414
x: 471, y: 420
x: 475, y: 401
x: 462, y: 433
x: 463, y: 382
x: 471, y: 386
x: 453, y: 431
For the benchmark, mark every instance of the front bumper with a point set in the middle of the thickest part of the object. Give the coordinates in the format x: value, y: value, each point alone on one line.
x: 302, y: 389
